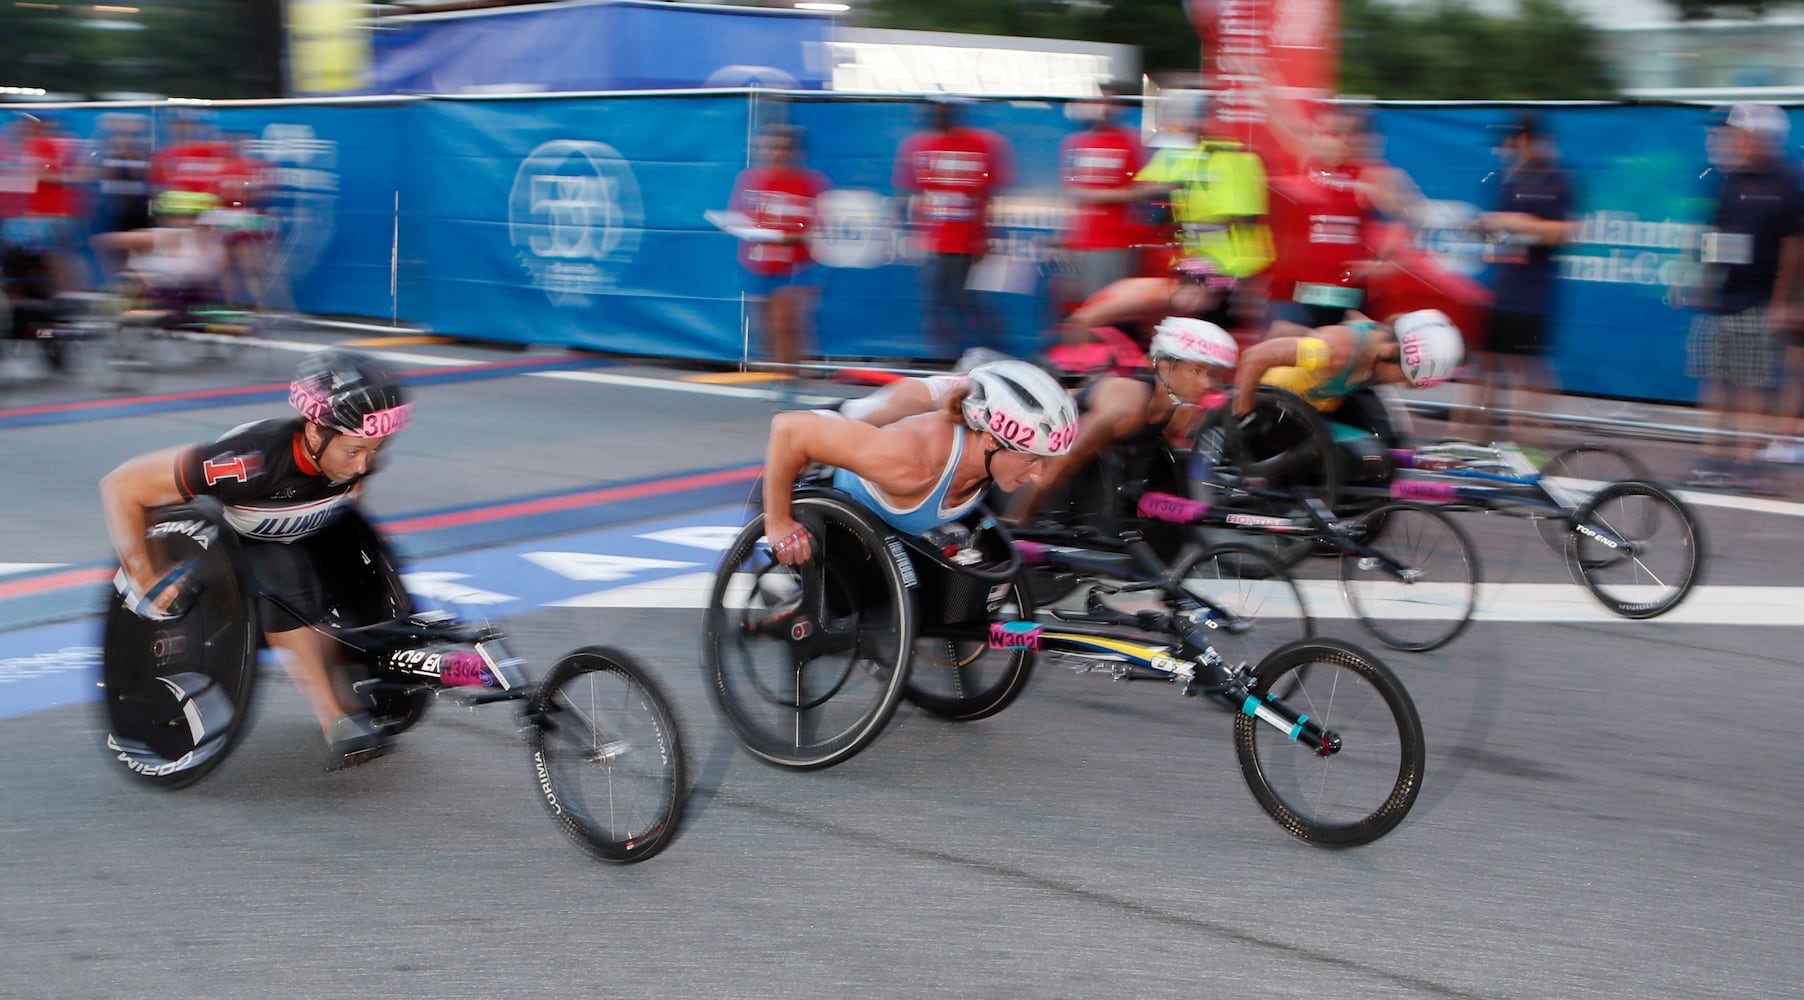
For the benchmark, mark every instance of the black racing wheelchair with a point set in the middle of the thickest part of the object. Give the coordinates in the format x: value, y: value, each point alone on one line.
x: 177, y: 694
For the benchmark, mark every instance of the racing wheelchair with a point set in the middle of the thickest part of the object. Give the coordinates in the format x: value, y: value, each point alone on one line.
x: 1629, y: 541
x: 809, y: 663
x: 177, y: 694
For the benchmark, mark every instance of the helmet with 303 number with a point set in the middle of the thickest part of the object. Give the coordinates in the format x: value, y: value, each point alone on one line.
x: 1430, y: 347
x: 1024, y: 408
x: 1199, y: 340
x: 349, y: 393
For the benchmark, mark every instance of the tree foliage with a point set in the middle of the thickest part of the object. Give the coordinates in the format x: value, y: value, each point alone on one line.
x: 191, y: 48
x: 1450, y: 50
x: 1446, y: 50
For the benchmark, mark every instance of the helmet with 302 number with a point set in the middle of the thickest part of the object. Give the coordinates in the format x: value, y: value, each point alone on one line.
x: 1023, y: 407
x: 1430, y: 347
x: 350, y: 394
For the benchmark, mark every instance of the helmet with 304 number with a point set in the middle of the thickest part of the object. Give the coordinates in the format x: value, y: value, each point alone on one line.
x: 1430, y: 347
x: 1023, y: 407
x: 350, y: 394
x: 1188, y: 339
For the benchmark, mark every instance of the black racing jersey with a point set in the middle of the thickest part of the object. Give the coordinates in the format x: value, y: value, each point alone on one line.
x: 1152, y: 430
x: 271, y: 489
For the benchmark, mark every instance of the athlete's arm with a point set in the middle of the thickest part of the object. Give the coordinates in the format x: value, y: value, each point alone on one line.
x: 888, y: 458
x: 126, y: 495
x: 1255, y: 361
x: 903, y: 398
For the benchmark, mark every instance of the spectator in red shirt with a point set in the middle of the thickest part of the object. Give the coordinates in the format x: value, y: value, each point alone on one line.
x: 51, y: 165
x: 1323, y: 215
x: 196, y: 159
x: 1096, y: 169
x: 776, y: 197
x: 950, y: 173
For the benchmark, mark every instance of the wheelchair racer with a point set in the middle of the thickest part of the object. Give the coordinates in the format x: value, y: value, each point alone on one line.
x: 1335, y: 368
x: 1002, y: 425
x: 1191, y: 359
x: 280, y: 481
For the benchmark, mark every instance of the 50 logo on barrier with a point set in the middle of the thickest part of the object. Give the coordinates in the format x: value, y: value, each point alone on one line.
x: 575, y: 218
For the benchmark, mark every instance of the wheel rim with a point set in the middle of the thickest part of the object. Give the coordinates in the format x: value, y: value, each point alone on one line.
x: 1650, y: 574
x: 608, y: 754
x: 806, y: 661
x: 1356, y: 794
x: 1429, y: 602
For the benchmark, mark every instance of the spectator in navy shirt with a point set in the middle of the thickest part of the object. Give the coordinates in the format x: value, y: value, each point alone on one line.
x: 1534, y: 203
x: 1749, y: 254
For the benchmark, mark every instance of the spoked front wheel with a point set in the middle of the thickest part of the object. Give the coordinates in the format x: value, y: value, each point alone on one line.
x: 1578, y: 473
x: 1418, y: 587
x: 1262, y: 597
x: 607, y: 755
x: 809, y: 662
x: 1330, y: 743
x: 1636, y: 547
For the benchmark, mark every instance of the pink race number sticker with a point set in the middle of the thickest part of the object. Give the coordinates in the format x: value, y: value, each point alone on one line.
x: 1015, y: 635
x: 382, y: 423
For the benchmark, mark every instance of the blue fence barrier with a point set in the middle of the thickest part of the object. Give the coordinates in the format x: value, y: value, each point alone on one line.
x: 579, y: 220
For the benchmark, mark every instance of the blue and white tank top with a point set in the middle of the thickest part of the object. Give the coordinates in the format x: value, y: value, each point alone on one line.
x: 931, y: 512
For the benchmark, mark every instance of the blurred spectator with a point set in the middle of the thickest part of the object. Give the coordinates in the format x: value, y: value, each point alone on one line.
x: 180, y: 260
x: 252, y: 277
x: 1323, y: 215
x: 1096, y: 170
x: 1216, y: 189
x: 1751, y: 269
x: 1534, y: 202
x: 196, y: 158
x: 50, y: 170
x: 776, y: 196
x: 950, y: 173
x: 122, y: 171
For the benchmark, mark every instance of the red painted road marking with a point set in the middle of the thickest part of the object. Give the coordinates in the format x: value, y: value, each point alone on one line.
x: 611, y: 494
x: 56, y: 581
x: 251, y: 390
x: 434, y: 522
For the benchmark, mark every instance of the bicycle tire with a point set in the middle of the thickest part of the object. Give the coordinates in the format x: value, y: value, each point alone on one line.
x: 1354, y: 695
x: 1421, y: 540
x: 626, y: 736
x: 951, y: 678
x: 1591, y: 560
x: 171, y: 727
x: 1249, y: 584
x: 1225, y: 455
x: 1586, y: 468
x: 767, y: 656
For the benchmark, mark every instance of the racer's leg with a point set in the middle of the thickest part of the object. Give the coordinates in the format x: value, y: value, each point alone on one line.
x: 303, y: 653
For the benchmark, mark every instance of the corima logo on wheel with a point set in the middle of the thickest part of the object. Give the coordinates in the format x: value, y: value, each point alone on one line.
x: 575, y: 218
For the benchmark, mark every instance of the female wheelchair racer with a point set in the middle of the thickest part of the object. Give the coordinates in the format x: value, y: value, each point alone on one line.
x: 867, y: 570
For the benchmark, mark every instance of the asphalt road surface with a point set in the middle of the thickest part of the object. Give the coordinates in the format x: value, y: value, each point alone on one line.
x: 1611, y: 808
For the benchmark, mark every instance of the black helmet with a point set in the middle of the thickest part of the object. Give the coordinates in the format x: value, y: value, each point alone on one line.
x: 350, y: 394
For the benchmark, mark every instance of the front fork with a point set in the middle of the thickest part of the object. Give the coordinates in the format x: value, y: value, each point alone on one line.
x: 1295, y: 725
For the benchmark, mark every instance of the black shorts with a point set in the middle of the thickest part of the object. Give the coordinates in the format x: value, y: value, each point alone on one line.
x: 293, y: 595
x: 1516, y: 333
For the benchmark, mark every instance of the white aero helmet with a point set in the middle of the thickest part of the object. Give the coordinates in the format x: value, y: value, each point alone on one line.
x: 1430, y: 347
x: 1194, y: 340
x: 1023, y: 407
